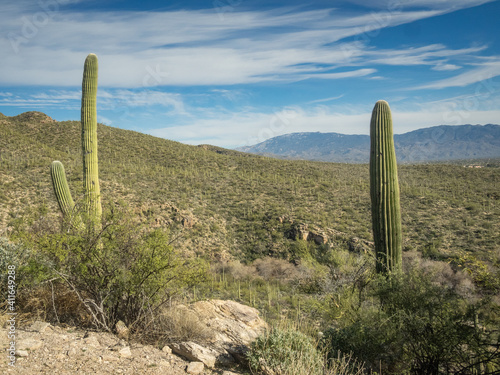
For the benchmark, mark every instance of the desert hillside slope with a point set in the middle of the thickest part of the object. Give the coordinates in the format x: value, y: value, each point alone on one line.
x: 225, y: 203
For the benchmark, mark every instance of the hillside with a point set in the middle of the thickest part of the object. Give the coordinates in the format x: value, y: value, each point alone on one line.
x: 224, y: 204
x: 438, y: 143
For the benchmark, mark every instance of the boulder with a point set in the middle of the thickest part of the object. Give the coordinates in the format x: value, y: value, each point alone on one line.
x: 167, y: 350
x: 319, y: 238
x: 233, y: 327
x: 299, y: 231
x: 232, y: 322
x: 122, y: 330
x: 195, y: 352
x: 188, y: 222
x: 195, y: 368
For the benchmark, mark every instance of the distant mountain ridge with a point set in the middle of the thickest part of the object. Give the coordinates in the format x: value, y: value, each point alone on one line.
x: 438, y: 143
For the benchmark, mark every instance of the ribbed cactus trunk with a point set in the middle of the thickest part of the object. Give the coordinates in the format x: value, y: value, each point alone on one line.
x: 63, y: 195
x: 384, y: 191
x: 61, y: 188
x: 89, y: 139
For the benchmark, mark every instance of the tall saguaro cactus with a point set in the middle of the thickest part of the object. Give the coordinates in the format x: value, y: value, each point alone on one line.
x: 89, y: 138
x: 384, y: 191
x: 92, y: 201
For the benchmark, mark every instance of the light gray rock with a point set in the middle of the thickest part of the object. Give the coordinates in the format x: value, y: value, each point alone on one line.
x: 22, y: 353
x: 231, y: 322
x: 125, y: 352
x: 195, y: 368
x: 195, y: 352
x: 92, y: 340
x: 39, y: 326
x: 233, y: 327
x: 122, y: 330
x: 29, y: 344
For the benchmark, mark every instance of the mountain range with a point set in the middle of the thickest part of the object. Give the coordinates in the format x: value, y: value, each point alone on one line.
x: 438, y: 143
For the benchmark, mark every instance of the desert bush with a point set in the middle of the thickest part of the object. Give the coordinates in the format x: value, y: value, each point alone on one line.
x: 275, y: 268
x: 12, y: 254
x: 310, y: 277
x: 236, y: 269
x: 124, y: 271
x: 414, y: 324
x: 441, y: 273
x: 344, y: 364
x: 286, y: 351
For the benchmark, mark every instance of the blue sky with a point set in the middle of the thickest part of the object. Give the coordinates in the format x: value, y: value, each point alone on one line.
x: 236, y: 72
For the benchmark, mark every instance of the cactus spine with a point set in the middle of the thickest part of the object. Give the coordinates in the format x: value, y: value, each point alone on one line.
x: 92, y: 201
x: 384, y: 191
x: 89, y: 139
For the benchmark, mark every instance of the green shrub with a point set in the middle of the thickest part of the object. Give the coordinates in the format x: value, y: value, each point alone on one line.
x: 126, y: 271
x: 411, y: 324
x: 10, y: 255
x: 285, y: 352
x: 23, y: 259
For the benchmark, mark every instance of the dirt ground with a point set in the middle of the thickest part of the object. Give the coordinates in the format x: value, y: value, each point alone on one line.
x: 45, y: 349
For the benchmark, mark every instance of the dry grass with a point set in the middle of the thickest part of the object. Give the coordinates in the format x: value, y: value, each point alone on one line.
x: 53, y: 302
x: 173, y: 324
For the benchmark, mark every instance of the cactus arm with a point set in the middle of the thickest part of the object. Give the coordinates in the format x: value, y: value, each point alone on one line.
x: 63, y: 194
x: 384, y: 191
x: 89, y: 138
x: 61, y: 188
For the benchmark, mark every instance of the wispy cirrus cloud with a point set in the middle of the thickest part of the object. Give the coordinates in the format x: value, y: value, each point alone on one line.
x: 194, y: 47
x: 442, y: 66
x: 415, y: 4
x: 109, y: 99
x: 323, y: 100
x: 432, y: 54
x: 480, y: 72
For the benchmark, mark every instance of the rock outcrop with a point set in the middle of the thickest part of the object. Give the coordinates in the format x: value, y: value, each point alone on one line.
x: 233, y: 328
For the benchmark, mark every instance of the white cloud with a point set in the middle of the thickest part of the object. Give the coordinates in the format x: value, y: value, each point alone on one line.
x: 415, y: 4
x: 340, y: 75
x: 118, y: 99
x: 427, y: 55
x: 326, y: 99
x: 194, y: 47
x: 482, y: 72
x: 104, y: 120
x: 141, y: 98
x: 446, y: 67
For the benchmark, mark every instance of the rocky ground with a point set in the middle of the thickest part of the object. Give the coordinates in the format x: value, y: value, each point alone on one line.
x: 42, y: 348
x: 45, y: 349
